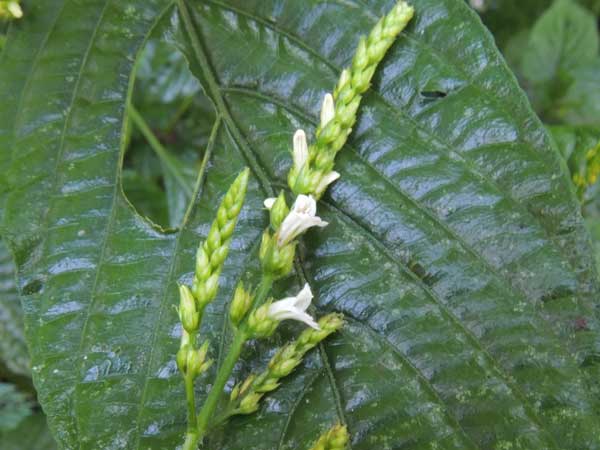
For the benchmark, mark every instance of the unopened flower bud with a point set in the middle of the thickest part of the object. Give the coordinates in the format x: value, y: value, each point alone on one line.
x: 274, y: 259
x: 299, y: 179
x: 196, y: 360
x: 249, y: 403
x: 207, y: 291
x: 247, y: 383
x: 300, y: 151
x: 284, y: 368
x: 235, y: 393
x: 328, y: 324
x: 188, y: 314
x: 268, y: 385
x: 327, y: 110
x: 343, y: 81
x: 259, y: 322
x: 278, y: 210
x: 242, y: 300
x: 336, y: 438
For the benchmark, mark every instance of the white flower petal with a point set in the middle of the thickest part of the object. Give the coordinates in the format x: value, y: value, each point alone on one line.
x: 282, y: 307
x: 327, y: 110
x: 304, y: 297
x: 294, y: 308
x: 327, y: 180
x: 305, y: 204
x: 307, y: 319
x: 299, y: 219
x: 344, y: 77
x: 269, y: 202
x: 300, y: 153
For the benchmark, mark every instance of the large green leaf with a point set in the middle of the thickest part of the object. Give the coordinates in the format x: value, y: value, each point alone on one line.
x: 505, y: 18
x: 32, y: 434
x: 557, y: 63
x: 455, y: 246
x: 13, y: 350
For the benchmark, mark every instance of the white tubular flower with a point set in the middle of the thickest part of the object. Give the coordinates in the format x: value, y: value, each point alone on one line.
x: 302, y: 216
x: 327, y: 110
x: 300, y: 152
x: 327, y: 180
x: 294, y: 308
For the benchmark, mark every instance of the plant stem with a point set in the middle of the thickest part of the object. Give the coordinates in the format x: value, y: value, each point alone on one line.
x: 233, y: 354
x: 262, y: 290
x: 191, y: 441
x: 225, y: 370
x: 191, y: 438
x: 191, y: 402
x: 185, y: 105
x: 158, y: 148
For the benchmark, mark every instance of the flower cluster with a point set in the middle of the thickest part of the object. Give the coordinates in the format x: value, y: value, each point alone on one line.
x: 253, y: 313
x: 313, y: 170
x: 210, y: 257
x: 246, y: 395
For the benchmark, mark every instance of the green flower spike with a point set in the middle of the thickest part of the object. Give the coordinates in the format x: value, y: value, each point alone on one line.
x: 285, y: 360
x: 313, y: 170
x: 188, y: 313
x: 241, y: 303
x: 336, y: 438
x: 212, y: 252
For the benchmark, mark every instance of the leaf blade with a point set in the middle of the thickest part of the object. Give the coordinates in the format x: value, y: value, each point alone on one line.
x: 430, y: 191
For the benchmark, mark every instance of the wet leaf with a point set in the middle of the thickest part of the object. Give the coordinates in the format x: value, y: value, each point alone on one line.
x: 455, y: 247
x: 13, y: 349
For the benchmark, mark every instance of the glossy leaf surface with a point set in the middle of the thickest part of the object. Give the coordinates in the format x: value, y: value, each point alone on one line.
x: 455, y: 247
x: 13, y: 349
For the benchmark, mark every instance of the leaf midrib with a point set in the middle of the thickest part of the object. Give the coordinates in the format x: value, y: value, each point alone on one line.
x: 216, y: 95
x: 510, y: 289
x: 434, y: 297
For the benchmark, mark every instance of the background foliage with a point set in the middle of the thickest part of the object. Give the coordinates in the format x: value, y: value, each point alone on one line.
x: 480, y: 331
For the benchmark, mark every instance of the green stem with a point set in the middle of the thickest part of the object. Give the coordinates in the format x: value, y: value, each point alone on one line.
x: 207, y: 411
x: 191, y: 441
x: 262, y: 291
x: 235, y: 350
x: 185, y: 105
x: 191, y: 437
x: 158, y: 148
x: 191, y: 402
